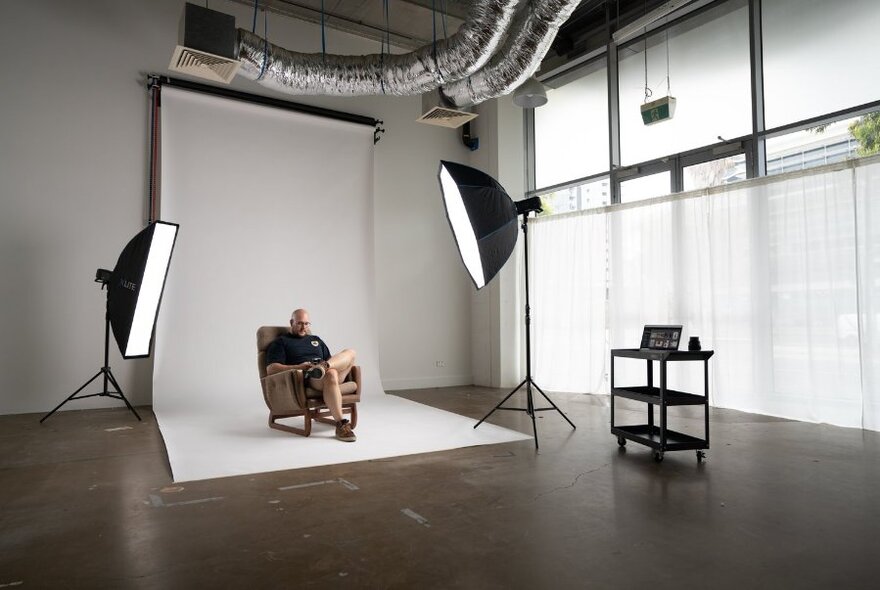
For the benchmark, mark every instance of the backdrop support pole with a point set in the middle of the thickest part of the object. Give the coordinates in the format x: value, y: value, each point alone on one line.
x: 530, y: 408
x: 108, y: 379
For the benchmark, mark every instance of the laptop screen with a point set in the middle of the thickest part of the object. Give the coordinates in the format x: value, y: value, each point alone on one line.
x: 660, y: 337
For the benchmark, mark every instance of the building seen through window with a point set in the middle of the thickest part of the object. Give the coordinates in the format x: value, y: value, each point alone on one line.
x: 577, y: 198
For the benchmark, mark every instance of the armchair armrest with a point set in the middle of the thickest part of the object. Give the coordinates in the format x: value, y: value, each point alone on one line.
x: 355, y: 375
x: 284, y: 392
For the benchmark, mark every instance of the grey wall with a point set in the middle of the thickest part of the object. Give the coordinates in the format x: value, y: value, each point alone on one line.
x: 73, y: 190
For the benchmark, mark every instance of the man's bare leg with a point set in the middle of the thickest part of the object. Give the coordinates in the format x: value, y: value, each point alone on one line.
x: 337, y: 368
x: 342, y: 361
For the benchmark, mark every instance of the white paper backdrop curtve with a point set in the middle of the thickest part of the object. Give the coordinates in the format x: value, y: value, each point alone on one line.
x: 275, y: 212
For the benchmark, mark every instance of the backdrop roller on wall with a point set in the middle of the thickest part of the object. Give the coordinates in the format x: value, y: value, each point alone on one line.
x: 271, y: 225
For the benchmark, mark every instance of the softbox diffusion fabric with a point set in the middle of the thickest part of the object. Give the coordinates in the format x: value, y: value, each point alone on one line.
x: 125, y: 284
x: 135, y: 287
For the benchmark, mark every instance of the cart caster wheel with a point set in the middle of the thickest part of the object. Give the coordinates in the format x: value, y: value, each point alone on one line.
x: 658, y: 456
x: 700, y: 456
x: 621, y: 441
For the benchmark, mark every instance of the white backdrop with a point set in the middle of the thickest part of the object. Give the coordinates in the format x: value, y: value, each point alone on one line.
x: 275, y: 212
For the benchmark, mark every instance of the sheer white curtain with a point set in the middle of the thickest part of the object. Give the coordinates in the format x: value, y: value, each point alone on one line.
x: 781, y: 277
x: 868, y: 232
x: 567, y: 267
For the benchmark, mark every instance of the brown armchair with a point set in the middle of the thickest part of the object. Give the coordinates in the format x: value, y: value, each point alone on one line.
x: 288, y: 395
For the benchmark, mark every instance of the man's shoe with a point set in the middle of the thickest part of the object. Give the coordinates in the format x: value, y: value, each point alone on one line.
x: 315, y: 372
x: 344, y: 432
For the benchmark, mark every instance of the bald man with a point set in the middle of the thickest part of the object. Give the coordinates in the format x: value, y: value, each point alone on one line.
x: 300, y: 349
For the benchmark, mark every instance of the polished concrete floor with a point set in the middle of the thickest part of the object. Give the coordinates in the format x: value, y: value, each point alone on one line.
x: 86, y: 501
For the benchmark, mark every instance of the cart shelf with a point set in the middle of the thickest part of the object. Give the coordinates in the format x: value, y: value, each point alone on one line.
x: 659, y: 437
x: 651, y: 436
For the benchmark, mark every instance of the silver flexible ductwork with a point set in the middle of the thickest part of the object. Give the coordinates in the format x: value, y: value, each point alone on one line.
x: 457, y: 57
x: 529, y: 39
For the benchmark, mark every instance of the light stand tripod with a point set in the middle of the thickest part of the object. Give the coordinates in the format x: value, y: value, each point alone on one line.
x: 105, y: 371
x: 530, y: 408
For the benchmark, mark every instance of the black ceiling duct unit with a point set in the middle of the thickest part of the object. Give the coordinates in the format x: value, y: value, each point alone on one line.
x: 209, y: 44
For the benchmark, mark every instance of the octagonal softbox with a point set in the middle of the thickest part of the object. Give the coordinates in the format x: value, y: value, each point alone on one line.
x: 483, y: 219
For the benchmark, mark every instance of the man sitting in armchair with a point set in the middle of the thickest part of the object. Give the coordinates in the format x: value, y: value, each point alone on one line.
x: 300, y: 349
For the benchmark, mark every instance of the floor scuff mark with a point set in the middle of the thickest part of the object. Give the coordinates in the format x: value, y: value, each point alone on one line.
x: 157, y: 501
x: 344, y: 482
x: 416, y: 517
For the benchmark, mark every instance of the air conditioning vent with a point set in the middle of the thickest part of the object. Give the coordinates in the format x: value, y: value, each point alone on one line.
x: 446, y: 117
x: 203, y: 65
x: 207, y: 45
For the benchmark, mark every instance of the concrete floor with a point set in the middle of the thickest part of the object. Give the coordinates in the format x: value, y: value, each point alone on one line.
x: 778, y: 504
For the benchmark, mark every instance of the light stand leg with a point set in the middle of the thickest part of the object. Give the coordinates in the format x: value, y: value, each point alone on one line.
x: 108, y: 379
x: 72, y: 395
x: 550, y: 401
x: 530, y: 408
x: 499, y: 404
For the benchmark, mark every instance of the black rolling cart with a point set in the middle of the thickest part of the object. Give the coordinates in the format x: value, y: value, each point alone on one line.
x: 660, y: 438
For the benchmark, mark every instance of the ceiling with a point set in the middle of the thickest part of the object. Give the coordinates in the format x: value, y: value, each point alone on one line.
x: 412, y: 23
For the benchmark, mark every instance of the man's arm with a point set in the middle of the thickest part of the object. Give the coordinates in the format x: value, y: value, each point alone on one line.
x: 276, y: 359
x: 273, y: 368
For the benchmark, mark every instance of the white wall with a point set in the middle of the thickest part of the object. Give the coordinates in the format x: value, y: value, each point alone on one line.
x: 73, y: 190
x: 497, y: 309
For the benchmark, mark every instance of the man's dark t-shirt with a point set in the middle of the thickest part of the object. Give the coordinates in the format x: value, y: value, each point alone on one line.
x: 289, y: 349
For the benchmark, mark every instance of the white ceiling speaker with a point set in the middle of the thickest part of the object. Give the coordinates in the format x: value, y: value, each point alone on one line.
x: 530, y: 95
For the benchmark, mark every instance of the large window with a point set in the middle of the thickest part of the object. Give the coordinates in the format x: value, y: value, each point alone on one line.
x: 820, y: 83
x: 571, y: 130
x: 714, y: 172
x: 819, y: 57
x: 645, y: 187
x: 708, y: 66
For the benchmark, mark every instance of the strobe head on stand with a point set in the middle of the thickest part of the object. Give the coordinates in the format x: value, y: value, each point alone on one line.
x: 102, y: 275
x: 134, y: 291
x: 527, y: 206
x: 483, y: 221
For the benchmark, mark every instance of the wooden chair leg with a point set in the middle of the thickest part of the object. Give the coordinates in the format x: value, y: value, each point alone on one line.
x: 316, y: 415
x: 307, y: 416
x: 305, y: 431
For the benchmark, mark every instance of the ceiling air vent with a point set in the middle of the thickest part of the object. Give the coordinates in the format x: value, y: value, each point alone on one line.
x: 203, y: 65
x: 208, y: 48
x: 446, y: 117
